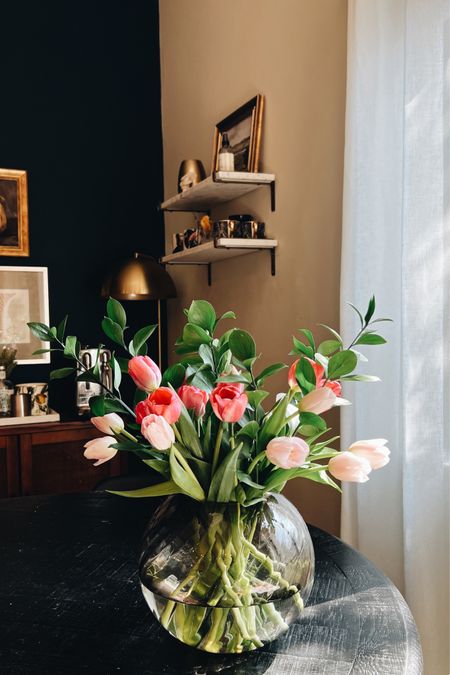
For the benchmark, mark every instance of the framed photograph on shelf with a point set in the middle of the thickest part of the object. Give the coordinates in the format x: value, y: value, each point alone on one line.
x: 14, y: 240
x: 243, y: 128
x: 23, y: 298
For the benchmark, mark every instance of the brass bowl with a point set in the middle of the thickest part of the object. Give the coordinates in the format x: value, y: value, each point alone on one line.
x: 193, y: 166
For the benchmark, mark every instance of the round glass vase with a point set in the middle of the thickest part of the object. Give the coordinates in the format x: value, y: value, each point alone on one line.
x: 226, y: 578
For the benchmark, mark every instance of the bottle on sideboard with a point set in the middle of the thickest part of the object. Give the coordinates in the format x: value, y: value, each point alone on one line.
x: 6, y: 391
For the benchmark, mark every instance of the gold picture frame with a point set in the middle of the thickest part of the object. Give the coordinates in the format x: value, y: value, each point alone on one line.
x: 14, y: 237
x: 244, y: 129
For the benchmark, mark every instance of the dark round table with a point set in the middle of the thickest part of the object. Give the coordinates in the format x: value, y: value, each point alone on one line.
x: 70, y: 602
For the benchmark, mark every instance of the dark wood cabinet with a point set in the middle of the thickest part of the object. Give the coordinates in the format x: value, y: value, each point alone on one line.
x: 48, y: 458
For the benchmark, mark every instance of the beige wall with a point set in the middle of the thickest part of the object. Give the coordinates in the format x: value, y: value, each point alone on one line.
x: 215, y: 55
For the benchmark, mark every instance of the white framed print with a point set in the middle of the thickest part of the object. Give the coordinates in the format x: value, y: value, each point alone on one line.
x: 23, y: 298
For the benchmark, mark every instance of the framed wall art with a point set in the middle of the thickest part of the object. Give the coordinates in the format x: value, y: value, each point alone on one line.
x: 243, y: 127
x: 23, y: 298
x: 14, y: 240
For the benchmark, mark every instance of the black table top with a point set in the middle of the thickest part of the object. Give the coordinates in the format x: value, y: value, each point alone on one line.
x: 70, y: 602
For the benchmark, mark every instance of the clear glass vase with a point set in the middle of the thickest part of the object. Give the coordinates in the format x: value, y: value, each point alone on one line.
x: 225, y: 578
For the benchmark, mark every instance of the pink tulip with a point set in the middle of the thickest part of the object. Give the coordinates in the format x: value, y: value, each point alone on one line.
x: 349, y: 467
x: 318, y: 401
x: 145, y: 373
x: 108, y: 424
x: 228, y: 401
x: 292, y: 380
x: 100, y: 449
x: 373, y: 451
x: 157, y: 431
x: 163, y: 401
x: 193, y: 398
x: 287, y: 452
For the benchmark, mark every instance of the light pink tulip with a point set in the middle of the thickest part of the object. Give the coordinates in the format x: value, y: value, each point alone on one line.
x: 373, y: 450
x: 287, y: 452
x: 318, y: 401
x: 157, y: 431
x: 108, y: 424
x: 349, y: 467
x: 100, y: 449
x: 145, y: 373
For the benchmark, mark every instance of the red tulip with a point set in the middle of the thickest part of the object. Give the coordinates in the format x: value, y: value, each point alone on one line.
x: 162, y: 401
x: 228, y: 401
x: 319, y: 372
x: 145, y: 373
x: 193, y: 398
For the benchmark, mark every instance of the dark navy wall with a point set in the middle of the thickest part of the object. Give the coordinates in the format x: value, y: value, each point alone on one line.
x: 80, y: 111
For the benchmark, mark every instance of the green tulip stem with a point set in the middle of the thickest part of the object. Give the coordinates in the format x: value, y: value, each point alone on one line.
x: 127, y: 434
x: 257, y: 459
x: 217, y: 448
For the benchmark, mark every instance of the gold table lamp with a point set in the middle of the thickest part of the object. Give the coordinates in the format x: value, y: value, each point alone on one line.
x: 140, y: 277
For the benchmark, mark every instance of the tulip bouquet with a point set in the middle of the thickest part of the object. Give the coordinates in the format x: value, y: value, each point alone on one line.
x: 203, y: 432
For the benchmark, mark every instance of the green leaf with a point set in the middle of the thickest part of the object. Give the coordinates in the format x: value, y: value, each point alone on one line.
x: 61, y: 373
x: 113, y: 330
x: 250, y: 429
x: 189, y: 432
x: 61, y: 331
x: 306, y: 377
x: 159, y: 465
x: 333, y: 332
x: 117, y: 373
x: 241, y: 344
x: 313, y: 420
x: 116, y: 312
x: 270, y: 370
x: 255, y: 398
x: 329, y: 347
x: 342, y: 363
x: 201, y: 313
x: 322, y: 361
x: 320, y: 476
x: 226, y: 315
x: 184, y: 477
x: 45, y: 351
x: 309, y: 336
x: 123, y: 363
x: 224, y: 361
x: 159, y: 490
x: 206, y: 355
x: 301, y: 348
x: 360, y: 378
x: 174, y: 375
x: 194, y: 336
x: 358, y: 313
x: 370, y: 339
x: 245, y: 478
x: 40, y: 330
x: 141, y: 338
x: 224, y: 479
x: 72, y: 347
x: 88, y: 376
x: 114, y: 405
x: 203, y: 378
x: 370, y: 310
x: 97, y: 405
x: 273, y: 423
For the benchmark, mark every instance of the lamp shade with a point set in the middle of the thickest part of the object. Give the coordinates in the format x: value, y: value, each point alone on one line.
x: 139, y: 277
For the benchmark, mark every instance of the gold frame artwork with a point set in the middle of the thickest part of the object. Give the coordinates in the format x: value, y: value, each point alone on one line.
x: 252, y: 111
x: 14, y: 237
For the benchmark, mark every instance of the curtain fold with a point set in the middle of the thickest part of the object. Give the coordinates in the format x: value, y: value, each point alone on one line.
x: 396, y: 244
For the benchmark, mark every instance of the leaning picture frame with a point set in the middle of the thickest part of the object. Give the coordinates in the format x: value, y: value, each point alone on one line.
x: 23, y: 298
x: 244, y: 129
x: 14, y: 238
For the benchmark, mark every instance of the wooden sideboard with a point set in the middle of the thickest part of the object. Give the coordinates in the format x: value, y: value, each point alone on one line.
x: 48, y: 458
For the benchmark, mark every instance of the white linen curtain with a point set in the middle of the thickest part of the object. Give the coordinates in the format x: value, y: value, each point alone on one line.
x: 396, y: 238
